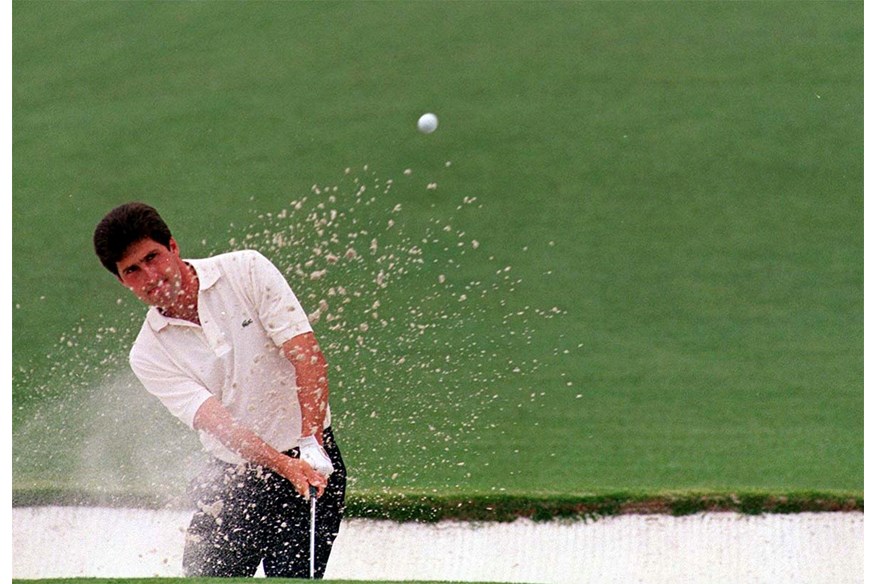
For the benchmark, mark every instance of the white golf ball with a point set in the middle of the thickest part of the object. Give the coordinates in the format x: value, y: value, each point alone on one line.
x: 427, y: 123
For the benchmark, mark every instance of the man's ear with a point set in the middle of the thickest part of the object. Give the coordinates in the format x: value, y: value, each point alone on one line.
x: 173, y: 247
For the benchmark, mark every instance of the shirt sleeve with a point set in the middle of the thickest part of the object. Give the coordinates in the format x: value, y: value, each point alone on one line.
x: 178, y: 392
x: 278, y: 308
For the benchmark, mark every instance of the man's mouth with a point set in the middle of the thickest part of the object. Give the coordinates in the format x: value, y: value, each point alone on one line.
x: 157, y: 289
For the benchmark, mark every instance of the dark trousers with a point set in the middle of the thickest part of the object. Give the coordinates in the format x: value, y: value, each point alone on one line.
x: 246, y: 514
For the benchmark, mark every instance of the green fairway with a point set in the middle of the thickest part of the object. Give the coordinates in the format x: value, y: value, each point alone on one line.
x: 629, y: 259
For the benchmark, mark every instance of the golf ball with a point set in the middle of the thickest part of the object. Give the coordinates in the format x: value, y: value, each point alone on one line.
x: 427, y: 123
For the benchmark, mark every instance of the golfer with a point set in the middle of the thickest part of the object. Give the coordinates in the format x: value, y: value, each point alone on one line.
x: 228, y: 350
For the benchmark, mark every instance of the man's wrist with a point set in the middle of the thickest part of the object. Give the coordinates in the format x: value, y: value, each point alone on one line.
x: 308, y: 440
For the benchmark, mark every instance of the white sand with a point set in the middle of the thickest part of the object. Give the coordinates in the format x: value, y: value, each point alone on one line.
x: 51, y: 542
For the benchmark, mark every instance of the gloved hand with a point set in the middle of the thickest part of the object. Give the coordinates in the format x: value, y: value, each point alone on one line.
x: 311, y: 452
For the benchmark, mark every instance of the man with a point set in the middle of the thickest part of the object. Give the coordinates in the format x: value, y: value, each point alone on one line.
x: 228, y: 349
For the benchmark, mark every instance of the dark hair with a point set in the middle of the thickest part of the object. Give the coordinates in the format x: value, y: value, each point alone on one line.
x: 124, y: 226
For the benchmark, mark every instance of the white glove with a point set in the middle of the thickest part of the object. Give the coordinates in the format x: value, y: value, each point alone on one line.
x: 311, y: 452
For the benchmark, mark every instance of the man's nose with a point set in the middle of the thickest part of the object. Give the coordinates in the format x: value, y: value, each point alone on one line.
x: 153, y: 273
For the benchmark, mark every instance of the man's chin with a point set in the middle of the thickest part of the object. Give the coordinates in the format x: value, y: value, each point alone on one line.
x: 158, y: 299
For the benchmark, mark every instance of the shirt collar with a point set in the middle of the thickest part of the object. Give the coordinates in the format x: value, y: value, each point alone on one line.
x: 208, y: 274
x: 207, y: 271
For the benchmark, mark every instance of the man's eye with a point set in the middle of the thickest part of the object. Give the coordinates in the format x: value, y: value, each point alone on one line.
x: 150, y: 257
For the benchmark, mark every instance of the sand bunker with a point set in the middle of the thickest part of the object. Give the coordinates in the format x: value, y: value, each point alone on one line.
x: 51, y: 542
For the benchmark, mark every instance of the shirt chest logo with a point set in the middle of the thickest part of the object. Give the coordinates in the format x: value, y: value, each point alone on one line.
x: 246, y: 323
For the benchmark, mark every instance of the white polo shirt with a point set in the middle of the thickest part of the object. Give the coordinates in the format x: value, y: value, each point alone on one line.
x: 247, y: 311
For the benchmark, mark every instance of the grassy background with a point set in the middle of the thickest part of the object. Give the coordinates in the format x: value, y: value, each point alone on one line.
x: 677, y: 189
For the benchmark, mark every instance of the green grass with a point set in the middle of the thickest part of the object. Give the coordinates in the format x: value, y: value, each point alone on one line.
x: 432, y: 508
x: 682, y: 181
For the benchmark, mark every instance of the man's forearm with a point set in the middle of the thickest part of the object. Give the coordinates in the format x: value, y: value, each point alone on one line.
x: 213, y: 418
x: 313, y: 398
x: 311, y: 377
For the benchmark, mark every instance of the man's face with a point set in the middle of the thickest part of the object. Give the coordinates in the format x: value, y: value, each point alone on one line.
x: 152, y: 272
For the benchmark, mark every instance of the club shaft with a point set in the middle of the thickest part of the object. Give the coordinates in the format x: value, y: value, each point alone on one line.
x: 312, y: 531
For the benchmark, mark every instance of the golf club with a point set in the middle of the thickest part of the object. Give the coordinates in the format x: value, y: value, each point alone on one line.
x: 313, y: 492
